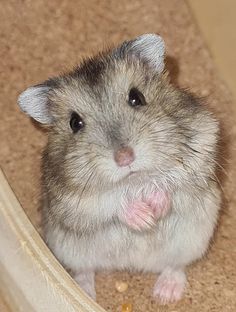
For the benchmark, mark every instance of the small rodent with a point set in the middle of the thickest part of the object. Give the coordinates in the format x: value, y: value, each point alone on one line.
x: 129, y: 168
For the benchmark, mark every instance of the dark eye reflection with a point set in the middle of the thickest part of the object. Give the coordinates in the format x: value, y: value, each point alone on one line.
x: 76, y: 122
x: 136, y: 98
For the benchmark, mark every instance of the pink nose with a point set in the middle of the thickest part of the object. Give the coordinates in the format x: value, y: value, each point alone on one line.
x: 124, y: 156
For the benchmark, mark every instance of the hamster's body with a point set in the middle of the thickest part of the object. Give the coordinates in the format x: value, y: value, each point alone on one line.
x: 177, y: 240
x: 129, y: 169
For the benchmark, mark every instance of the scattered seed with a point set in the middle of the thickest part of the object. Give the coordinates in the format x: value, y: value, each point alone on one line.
x: 121, y: 286
x: 127, y: 307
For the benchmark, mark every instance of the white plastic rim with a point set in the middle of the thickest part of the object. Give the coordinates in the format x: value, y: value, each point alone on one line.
x: 31, y: 279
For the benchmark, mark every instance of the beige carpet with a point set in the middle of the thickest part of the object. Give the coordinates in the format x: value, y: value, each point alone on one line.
x: 42, y: 38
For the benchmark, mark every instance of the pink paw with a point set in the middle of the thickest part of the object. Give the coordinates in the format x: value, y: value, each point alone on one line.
x: 139, y: 215
x: 143, y: 213
x: 159, y: 203
x: 170, y: 286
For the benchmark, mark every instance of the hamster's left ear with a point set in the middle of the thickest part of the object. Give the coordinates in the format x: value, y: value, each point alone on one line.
x: 34, y: 101
x: 149, y: 47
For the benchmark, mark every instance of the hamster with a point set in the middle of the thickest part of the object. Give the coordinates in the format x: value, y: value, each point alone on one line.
x: 129, y: 168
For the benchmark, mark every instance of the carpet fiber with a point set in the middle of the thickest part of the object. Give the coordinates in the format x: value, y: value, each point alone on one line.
x: 39, y: 39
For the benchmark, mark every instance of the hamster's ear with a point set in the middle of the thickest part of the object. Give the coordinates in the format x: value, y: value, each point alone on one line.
x: 148, y: 47
x: 35, y: 103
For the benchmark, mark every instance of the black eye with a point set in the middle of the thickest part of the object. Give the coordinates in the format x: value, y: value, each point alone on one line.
x: 76, y: 122
x: 136, y: 98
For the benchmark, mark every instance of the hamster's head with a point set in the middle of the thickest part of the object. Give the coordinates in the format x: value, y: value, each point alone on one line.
x: 116, y: 116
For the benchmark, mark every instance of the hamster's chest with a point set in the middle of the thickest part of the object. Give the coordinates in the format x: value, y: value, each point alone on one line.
x: 99, y: 208
x: 129, y: 190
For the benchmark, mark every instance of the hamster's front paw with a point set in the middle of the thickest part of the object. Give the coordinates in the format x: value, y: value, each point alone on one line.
x: 138, y: 215
x: 159, y: 202
x: 142, y: 214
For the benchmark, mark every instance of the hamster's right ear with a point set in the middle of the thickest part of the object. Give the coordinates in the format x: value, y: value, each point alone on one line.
x: 34, y: 102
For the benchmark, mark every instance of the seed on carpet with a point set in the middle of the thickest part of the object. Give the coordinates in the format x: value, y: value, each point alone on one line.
x: 126, y: 307
x: 121, y: 286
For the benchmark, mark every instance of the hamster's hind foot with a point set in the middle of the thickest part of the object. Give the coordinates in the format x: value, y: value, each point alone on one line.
x: 170, y: 286
x: 86, y: 281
